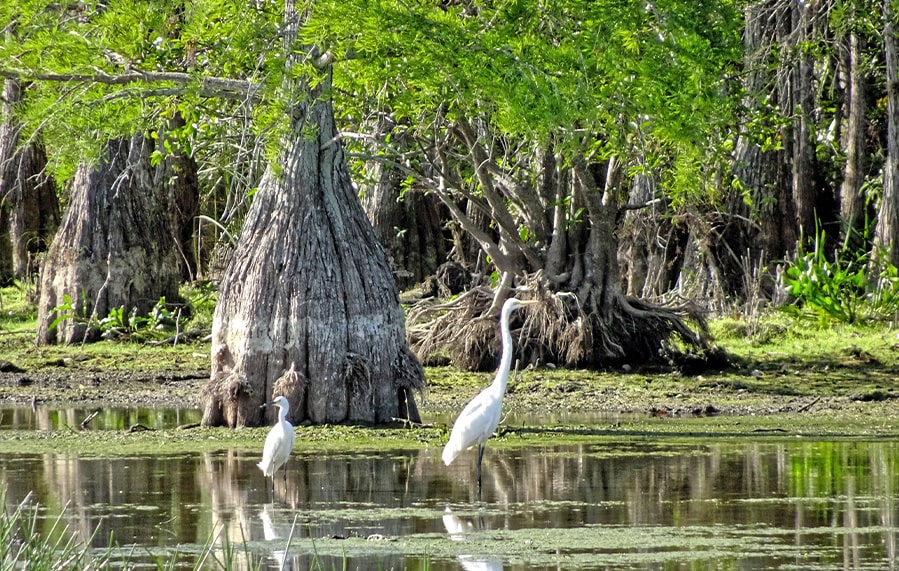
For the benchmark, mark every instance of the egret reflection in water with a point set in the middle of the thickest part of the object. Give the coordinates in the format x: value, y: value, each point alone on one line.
x: 272, y: 526
x: 754, y: 504
x: 458, y: 528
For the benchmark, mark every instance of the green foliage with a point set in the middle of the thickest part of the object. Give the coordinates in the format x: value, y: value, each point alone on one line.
x: 16, y: 307
x: 854, y: 287
x: 160, y: 318
x: 64, y: 311
x: 536, y: 68
x: 24, y: 545
x: 597, y: 78
x: 201, y: 299
x: 76, y: 42
x: 119, y: 323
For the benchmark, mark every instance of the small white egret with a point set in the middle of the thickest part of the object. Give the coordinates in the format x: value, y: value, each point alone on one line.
x: 278, y: 443
x: 481, y: 416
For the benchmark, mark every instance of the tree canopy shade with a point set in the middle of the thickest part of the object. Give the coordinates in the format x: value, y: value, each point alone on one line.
x: 535, y: 68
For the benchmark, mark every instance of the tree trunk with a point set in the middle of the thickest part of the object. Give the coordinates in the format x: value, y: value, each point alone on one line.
x: 178, y: 180
x: 802, y: 106
x: 651, y: 249
x: 888, y: 218
x: 26, y: 190
x: 407, y: 223
x: 765, y: 175
x: 113, y: 248
x: 852, y: 202
x: 556, y: 236
x: 309, y: 296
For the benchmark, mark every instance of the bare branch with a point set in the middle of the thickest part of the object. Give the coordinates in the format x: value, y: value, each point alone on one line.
x: 208, y: 86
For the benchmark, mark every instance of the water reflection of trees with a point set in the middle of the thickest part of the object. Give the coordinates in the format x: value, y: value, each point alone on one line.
x: 70, y: 418
x: 156, y: 500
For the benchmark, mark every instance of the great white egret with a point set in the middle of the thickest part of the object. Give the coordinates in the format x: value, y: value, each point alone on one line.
x: 278, y: 443
x: 481, y: 416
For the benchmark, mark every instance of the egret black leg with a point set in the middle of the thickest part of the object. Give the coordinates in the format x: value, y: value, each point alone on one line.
x: 481, y: 449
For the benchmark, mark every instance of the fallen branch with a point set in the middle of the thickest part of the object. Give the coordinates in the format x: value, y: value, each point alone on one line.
x: 411, y: 423
x: 89, y: 418
x: 805, y: 407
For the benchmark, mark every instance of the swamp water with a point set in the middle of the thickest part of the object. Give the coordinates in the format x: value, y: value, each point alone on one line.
x: 628, y: 503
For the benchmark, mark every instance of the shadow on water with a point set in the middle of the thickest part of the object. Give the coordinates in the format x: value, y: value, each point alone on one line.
x: 628, y: 503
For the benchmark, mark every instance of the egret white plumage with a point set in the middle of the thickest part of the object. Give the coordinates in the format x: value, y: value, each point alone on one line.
x: 278, y: 443
x: 481, y: 416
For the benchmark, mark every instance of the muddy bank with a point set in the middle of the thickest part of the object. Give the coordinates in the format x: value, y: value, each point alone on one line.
x: 541, y: 392
x: 158, y: 389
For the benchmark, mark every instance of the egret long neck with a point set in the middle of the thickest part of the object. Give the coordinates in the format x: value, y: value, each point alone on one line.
x: 505, y: 362
x: 282, y: 413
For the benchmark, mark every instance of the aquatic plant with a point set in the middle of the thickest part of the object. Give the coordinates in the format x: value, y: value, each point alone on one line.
x: 23, y: 545
x: 854, y: 287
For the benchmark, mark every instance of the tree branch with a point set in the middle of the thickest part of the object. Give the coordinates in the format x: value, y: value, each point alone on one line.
x: 208, y: 86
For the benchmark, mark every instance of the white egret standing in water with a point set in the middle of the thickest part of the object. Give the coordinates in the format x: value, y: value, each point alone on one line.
x: 481, y: 416
x: 278, y: 443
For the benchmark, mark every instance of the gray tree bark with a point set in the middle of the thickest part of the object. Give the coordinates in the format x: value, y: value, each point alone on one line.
x: 801, y: 143
x: 27, y: 194
x: 178, y: 179
x: 113, y: 248
x: 887, y: 234
x: 852, y: 202
x: 308, y: 307
x: 407, y: 223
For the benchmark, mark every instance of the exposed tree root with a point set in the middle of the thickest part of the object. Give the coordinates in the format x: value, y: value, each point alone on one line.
x: 562, y: 329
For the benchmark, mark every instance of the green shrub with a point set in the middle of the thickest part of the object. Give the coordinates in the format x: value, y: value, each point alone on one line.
x: 854, y: 287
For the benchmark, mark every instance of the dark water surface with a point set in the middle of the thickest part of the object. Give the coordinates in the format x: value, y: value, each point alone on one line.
x: 634, y: 503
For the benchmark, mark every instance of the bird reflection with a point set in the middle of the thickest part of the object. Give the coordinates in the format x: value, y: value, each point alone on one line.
x: 457, y: 528
x: 271, y: 533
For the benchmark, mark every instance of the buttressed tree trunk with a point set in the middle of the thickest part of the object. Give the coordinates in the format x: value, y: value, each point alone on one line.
x: 26, y: 191
x: 308, y: 307
x: 852, y: 201
x: 113, y: 248
x: 178, y: 180
x: 417, y: 251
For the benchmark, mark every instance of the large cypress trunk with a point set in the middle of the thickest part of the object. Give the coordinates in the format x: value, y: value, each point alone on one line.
x: 178, y: 179
x: 308, y: 307
x: 27, y: 193
x: 766, y: 175
x: 407, y: 222
x: 802, y: 107
x: 113, y: 248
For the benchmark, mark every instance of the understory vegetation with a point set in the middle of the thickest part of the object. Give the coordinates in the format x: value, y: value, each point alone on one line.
x: 823, y: 289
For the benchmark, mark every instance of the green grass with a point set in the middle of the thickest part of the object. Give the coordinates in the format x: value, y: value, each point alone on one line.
x: 18, y: 310
x: 142, y: 351
x: 780, y: 366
